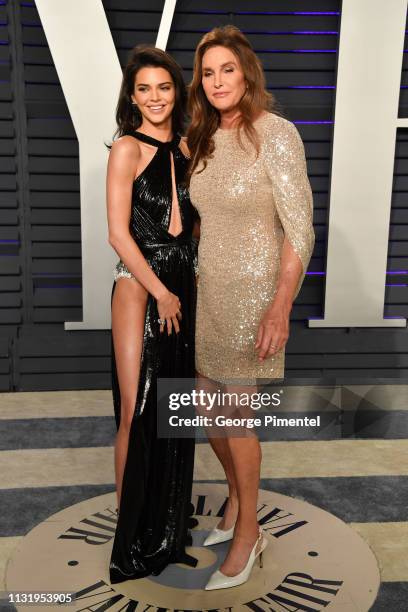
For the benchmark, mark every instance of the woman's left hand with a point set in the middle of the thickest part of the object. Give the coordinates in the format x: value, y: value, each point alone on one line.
x: 273, y: 331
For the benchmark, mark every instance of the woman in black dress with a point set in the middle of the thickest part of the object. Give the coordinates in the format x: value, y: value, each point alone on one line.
x: 150, y: 220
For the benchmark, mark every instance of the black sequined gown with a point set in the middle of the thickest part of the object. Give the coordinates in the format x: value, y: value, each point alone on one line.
x: 153, y: 518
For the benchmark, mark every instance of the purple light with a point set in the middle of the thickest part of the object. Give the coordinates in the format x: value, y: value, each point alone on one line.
x: 60, y: 287
x: 214, y: 12
x: 260, y: 51
x: 5, y: 241
x: 305, y: 87
x: 388, y: 272
x: 322, y: 318
x: 293, y: 32
x: 314, y: 122
x: 314, y: 51
x: 286, y: 13
x: 315, y: 13
x: 208, y: 12
x: 56, y: 274
x: 295, y: 50
x: 250, y: 32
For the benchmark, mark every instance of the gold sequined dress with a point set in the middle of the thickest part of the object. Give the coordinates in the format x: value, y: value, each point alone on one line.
x: 247, y: 206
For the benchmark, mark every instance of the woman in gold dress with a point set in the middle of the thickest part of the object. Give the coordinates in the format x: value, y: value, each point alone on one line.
x: 248, y: 181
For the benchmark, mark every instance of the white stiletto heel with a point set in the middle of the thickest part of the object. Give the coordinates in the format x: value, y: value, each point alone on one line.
x: 219, y: 535
x: 218, y: 580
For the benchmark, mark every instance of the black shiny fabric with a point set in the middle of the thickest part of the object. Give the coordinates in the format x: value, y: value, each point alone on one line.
x: 153, y: 518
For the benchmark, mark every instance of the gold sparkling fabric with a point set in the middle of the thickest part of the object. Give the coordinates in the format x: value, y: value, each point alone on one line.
x: 246, y: 206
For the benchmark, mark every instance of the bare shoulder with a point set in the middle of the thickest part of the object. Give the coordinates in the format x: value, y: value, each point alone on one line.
x: 124, y: 157
x: 183, y: 146
x: 125, y: 147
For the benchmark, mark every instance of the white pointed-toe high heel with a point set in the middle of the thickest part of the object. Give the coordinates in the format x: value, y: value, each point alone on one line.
x: 219, y: 535
x: 218, y: 580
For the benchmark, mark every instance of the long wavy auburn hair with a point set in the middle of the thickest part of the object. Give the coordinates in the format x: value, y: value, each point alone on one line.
x: 205, y: 119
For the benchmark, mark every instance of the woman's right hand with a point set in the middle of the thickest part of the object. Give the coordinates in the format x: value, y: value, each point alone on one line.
x: 169, y: 309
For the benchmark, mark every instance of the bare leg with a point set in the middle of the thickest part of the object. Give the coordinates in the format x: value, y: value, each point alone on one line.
x: 128, y: 315
x: 246, y: 459
x: 221, y: 448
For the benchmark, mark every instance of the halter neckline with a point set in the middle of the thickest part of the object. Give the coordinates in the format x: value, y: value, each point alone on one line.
x: 169, y: 144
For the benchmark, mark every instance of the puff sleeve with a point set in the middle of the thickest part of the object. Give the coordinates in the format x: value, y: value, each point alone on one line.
x: 285, y: 165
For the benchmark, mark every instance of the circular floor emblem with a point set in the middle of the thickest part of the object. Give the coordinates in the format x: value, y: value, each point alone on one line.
x: 313, y: 562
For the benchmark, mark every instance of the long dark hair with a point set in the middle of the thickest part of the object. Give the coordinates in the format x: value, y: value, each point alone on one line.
x: 128, y: 117
x: 205, y: 119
